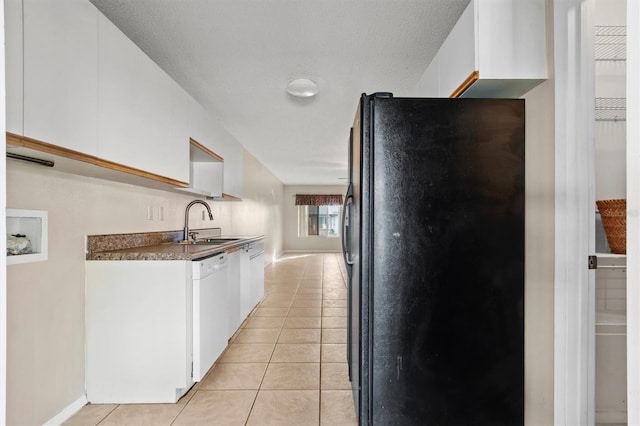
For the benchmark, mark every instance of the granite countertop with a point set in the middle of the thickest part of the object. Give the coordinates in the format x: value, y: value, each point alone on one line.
x: 159, y: 246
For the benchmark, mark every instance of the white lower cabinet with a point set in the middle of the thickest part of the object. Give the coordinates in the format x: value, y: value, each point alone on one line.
x: 245, y: 283
x: 233, y: 279
x: 251, y: 277
x: 256, y: 268
x: 153, y: 328
x: 139, y: 339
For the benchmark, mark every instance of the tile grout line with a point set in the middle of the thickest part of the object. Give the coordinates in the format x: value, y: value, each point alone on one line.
x: 321, y: 343
x: 270, y: 356
x: 108, y: 414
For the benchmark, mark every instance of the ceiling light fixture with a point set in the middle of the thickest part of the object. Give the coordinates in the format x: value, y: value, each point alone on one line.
x: 302, y: 88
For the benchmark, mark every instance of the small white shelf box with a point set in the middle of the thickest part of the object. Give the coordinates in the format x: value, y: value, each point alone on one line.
x: 34, y: 224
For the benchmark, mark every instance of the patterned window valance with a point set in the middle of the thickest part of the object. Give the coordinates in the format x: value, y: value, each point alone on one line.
x: 318, y: 200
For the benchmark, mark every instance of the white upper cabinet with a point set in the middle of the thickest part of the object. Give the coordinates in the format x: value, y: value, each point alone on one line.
x: 206, y: 162
x: 13, y: 62
x: 61, y: 73
x: 142, y: 112
x: 206, y: 171
x: 75, y: 81
x: 211, y: 134
x: 496, y: 49
x: 199, y: 124
x: 234, y: 169
x: 233, y: 155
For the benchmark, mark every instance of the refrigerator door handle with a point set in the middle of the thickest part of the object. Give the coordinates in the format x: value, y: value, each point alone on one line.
x: 346, y: 249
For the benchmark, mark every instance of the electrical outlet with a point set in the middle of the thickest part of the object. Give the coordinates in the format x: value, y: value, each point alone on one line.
x: 160, y: 213
x: 149, y: 213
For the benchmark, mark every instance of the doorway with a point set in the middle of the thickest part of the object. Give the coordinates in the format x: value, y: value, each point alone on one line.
x: 610, y: 140
x: 575, y: 358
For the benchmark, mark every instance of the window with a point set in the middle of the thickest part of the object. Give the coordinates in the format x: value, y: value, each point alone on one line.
x: 321, y: 221
x: 319, y: 215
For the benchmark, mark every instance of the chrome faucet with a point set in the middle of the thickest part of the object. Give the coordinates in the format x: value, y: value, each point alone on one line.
x: 186, y: 219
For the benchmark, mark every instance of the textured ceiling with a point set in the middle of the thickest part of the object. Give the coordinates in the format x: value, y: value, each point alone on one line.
x: 236, y: 56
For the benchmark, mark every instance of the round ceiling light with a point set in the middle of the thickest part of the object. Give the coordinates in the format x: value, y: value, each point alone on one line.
x: 302, y: 88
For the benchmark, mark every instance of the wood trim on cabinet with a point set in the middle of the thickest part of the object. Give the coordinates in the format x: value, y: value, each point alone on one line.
x: 227, y: 197
x: 26, y: 142
x: 205, y: 149
x: 468, y: 82
x: 233, y: 249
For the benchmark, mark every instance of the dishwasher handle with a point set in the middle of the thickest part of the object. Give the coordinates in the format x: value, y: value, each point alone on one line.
x: 204, y: 267
x: 253, y: 256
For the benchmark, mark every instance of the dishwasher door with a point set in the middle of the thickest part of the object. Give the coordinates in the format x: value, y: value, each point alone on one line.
x: 210, y: 298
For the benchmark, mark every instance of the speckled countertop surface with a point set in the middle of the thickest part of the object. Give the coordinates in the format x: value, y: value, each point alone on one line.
x: 159, y: 246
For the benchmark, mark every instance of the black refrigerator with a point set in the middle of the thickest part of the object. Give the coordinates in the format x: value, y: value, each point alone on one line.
x: 433, y: 239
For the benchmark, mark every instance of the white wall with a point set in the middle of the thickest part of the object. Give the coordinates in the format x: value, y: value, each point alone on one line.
x: 46, y: 299
x: 539, y: 243
x: 539, y: 256
x: 261, y: 210
x: 313, y: 243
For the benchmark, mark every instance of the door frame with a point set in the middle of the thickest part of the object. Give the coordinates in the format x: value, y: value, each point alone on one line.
x: 633, y: 209
x: 3, y: 233
x: 574, y: 298
x: 574, y: 334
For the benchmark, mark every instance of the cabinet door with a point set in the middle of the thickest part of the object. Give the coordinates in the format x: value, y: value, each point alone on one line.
x: 206, y: 131
x: 13, y: 58
x: 139, y: 323
x: 245, y: 284
x: 206, y: 177
x: 233, y: 155
x: 142, y: 112
x: 177, y: 148
x: 198, y: 123
x: 517, y: 27
x: 61, y: 73
x: 257, y: 277
x: 233, y: 170
x: 233, y: 281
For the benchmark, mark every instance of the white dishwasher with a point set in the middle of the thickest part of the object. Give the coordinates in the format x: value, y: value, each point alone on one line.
x: 210, y: 319
x: 256, y: 265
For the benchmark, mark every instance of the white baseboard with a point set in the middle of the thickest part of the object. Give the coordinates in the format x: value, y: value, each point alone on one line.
x: 615, y: 417
x: 67, y: 412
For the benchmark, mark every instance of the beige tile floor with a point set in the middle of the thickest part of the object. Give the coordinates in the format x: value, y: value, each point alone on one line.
x: 286, y: 365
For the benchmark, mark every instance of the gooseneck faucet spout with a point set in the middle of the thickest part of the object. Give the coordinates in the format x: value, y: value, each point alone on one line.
x: 186, y: 217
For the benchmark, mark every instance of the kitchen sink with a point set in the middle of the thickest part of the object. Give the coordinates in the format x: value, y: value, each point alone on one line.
x: 216, y: 240
x: 208, y: 241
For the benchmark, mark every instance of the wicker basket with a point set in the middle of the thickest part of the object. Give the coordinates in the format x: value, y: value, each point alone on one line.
x: 614, y: 220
